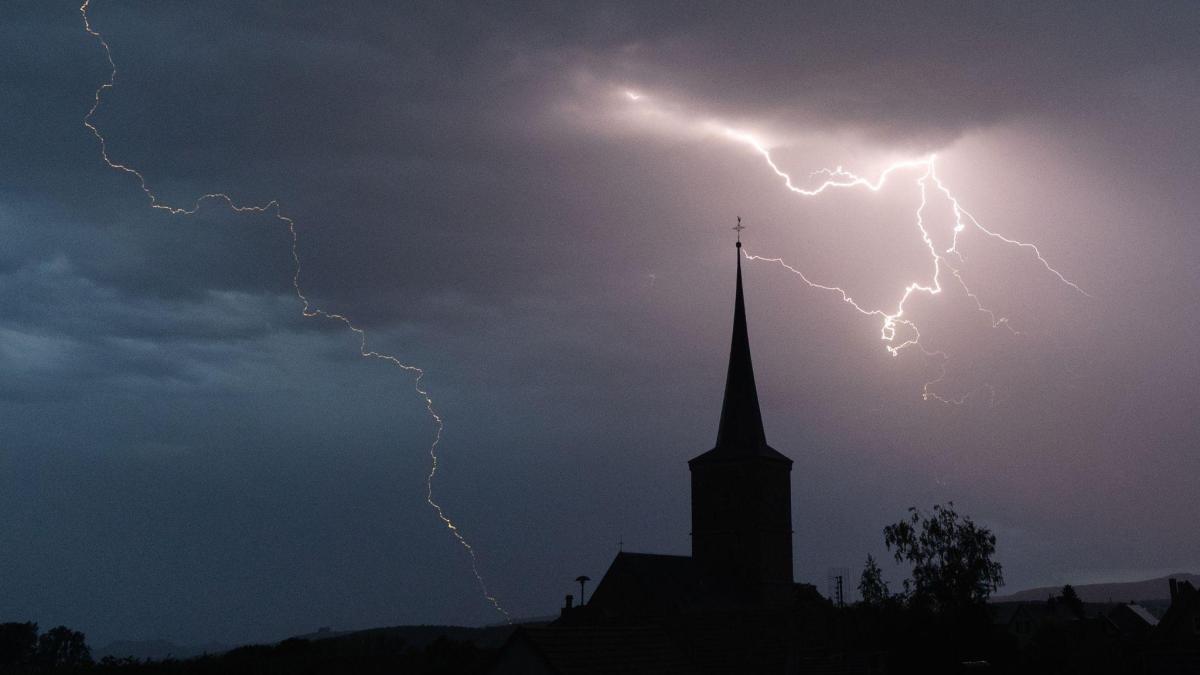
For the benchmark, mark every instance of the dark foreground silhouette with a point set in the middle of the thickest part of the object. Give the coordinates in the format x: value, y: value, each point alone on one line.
x: 1059, y: 635
x: 383, y: 650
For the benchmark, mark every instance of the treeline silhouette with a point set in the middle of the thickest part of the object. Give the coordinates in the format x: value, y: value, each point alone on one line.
x: 941, y: 620
x: 24, y: 650
x: 910, y: 639
x: 63, y: 651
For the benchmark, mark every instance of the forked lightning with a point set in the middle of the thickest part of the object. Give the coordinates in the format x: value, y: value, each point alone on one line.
x: 891, y: 320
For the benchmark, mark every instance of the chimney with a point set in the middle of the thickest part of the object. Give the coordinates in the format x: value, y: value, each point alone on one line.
x: 1174, y: 588
x: 571, y: 600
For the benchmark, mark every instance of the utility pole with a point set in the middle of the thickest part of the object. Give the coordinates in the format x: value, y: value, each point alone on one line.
x: 836, y: 590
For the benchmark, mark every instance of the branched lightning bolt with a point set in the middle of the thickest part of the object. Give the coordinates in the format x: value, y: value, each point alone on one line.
x: 897, y: 330
x: 307, y: 310
x: 840, y: 178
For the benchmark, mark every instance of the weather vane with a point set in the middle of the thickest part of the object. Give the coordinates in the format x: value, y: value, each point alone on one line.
x: 738, y: 228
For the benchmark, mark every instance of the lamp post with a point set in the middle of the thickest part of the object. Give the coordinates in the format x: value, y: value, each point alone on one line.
x: 582, y: 581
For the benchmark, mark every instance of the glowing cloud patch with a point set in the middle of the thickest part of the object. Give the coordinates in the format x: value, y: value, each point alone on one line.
x: 839, y: 178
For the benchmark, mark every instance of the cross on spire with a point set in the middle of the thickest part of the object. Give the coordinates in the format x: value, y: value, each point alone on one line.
x: 738, y: 228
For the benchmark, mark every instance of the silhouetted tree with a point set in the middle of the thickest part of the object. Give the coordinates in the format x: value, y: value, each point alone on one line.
x: 1071, y: 599
x: 62, y: 647
x: 18, y: 644
x: 871, y: 586
x: 951, y: 558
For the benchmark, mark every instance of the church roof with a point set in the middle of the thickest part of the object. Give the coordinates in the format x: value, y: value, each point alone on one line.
x: 740, y: 433
x: 646, y: 584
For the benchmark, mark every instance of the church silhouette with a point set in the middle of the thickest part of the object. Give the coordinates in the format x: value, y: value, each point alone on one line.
x: 741, y: 517
x: 730, y: 607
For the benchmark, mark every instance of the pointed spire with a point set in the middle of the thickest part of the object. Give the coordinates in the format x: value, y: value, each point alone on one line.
x: 741, y: 421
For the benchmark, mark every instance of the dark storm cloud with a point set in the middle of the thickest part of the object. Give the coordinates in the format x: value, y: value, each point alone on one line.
x: 167, y: 413
x: 341, y: 113
x: 902, y: 72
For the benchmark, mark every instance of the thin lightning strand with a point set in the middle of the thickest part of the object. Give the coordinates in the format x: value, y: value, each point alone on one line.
x: 307, y: 310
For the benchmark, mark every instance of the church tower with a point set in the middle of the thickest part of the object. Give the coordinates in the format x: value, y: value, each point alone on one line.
x: 741, y: 489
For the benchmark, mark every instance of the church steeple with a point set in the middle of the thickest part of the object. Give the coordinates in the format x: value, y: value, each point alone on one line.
x: 741, y: 489
x: 740, y: 432
x: 741, y: 427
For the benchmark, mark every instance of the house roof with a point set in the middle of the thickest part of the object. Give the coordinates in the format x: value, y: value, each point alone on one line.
x: 1142, y: 613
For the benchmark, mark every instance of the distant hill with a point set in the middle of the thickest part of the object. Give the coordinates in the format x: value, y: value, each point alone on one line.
x: 419, y: 636
x: 156, y: 650
x: 1125, y: 591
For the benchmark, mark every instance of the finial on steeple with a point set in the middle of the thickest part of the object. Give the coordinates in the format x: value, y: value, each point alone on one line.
x: 738, y: 228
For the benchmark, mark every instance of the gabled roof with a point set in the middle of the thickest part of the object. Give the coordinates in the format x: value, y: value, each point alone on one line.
x: 740, y: 433
x: 646, y: 584
x: 1132, y: 619
x: 1142, y: 613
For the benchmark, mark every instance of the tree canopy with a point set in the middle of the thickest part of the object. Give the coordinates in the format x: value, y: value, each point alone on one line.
x: 951, y: 558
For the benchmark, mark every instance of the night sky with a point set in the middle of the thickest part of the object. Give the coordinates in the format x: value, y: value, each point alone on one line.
x: 183, y: 455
